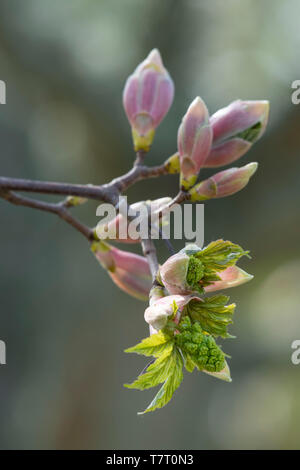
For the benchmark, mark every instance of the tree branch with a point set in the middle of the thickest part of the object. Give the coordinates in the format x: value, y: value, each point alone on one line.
x: 59, y: 209
x: 106, y: 192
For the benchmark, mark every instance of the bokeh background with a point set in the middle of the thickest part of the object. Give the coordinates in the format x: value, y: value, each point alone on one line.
x: 65, y: 324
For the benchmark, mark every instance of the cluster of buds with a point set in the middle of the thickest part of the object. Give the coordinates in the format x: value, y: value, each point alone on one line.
x: 184, y: 322
x: 203, y: 141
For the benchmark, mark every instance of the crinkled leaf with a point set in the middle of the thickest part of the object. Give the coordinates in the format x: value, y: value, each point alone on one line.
x: 220, y: 254
x: 213, y: 314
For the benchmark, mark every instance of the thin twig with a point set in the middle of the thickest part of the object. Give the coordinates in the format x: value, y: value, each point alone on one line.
x: 59, y: 209
x: 149, y: 252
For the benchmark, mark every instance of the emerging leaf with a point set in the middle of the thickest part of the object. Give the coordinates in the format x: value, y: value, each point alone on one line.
x: 220, y: 254
x: 174, y: 379
x: 213, y: 314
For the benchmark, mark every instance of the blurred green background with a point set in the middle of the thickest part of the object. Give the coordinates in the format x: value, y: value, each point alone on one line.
x: 65, y: 324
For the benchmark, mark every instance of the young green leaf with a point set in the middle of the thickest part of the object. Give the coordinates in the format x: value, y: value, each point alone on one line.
x: 213, y: 314
x: 220, y: 254
x: 156, y: 373
x: 154, y: 345
x: 174, y: 379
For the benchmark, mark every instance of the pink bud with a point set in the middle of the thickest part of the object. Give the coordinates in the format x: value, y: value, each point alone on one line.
x: 235, y: 128
x: 225, y: 183
x: 239, y: 117
x: 174, y: 273
x: 147, y: 97
x: 227, y: 152
x: 194, y: 141
x: 230, y: 277
x: 158, y: 313
x: 129, y: 271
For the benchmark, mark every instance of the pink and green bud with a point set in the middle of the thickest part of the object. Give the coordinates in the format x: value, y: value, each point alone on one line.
x: 194, y: 142
x: 235, y: 129
x: 225, y: 183
x: 169, y: 307
x: 130, y: 272
x: 184, y: 274
x: 147, y: 97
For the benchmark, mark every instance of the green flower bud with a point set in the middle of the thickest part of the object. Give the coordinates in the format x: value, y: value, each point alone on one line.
x: 199, y: 346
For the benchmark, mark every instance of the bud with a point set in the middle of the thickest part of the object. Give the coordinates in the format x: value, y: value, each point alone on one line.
x: 224, y: 374
x: 194, y: 142
x: 182, y: 274
x: 172, y: 164
x: 130, y: 272
x: 235, y: 128
x: 225, y: 183
x: 117, y: 228
x: 164, y: 308
x: 73, y: 201
x: 147, y: 97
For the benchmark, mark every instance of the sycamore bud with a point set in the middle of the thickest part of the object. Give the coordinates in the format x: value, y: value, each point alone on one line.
x: 158, y: 313
x: 194, y: 141
x: 235, y: 129
x: 225, y: 183
x: 130, y: 272
x: 73, y: 201
x: 182, y: 274
x: 147, y: 97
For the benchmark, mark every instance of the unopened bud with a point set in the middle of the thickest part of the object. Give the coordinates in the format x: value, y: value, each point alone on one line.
x: 147, y: 97
x: 194, y: 141
x: 130, y: 272
x: 225, y: 183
